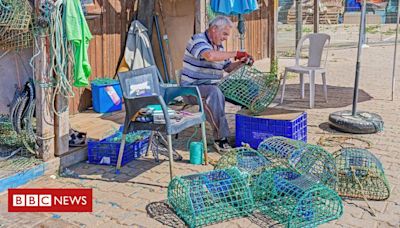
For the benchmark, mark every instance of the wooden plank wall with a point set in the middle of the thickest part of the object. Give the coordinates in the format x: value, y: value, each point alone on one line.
x: 110, y: 22
x: 256, y: 36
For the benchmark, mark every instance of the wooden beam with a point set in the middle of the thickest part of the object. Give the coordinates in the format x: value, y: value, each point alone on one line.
x: 200, y: 19
x: 145, y: 14
x: 44, y: 113
x: 316, y: 16
x: 272, y: 27
x: 61, y: 121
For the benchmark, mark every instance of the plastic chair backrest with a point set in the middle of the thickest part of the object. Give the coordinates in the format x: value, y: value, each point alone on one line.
x: 315, y: 49
x: 140, y: 82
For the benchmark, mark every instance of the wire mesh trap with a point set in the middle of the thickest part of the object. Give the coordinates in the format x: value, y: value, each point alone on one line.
x: 279, y: 147
x: 246, y: 160
x: 360, y: 175
x: 305, y: 158
x: 295, y: 200
x: 210, y: 197
x: 12, y: 143
x: 251, y: 88
x: 15, y: 24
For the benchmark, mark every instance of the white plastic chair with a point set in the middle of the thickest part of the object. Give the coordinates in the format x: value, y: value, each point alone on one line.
x: 315, y: 50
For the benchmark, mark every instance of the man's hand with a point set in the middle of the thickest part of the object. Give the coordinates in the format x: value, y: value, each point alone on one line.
x: 249, y: 60
x: 241, y: 54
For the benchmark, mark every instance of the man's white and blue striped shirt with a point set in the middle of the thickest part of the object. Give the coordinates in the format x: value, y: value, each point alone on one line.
x: 196, y: 67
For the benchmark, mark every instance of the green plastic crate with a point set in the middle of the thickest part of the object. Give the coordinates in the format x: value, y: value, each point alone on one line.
x: 295, y: 200
x: 361, y: 175
x: 210, y: 197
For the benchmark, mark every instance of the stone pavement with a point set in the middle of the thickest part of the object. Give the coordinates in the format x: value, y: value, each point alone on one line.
x: 135, y: 197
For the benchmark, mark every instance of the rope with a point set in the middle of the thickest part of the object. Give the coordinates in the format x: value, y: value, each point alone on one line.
x: 191, y: 137
x: 60, y: 54
x: 4, y: 6
x: 333, y: 141
x: 362, y: 191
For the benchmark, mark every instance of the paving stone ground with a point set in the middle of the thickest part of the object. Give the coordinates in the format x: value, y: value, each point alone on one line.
x: 135, y: 198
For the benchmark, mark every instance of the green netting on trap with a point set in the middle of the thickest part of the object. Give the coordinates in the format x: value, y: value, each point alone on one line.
x: 361, y: 175
x: 14, y: 39
x: 15, y: 24
x: 11, y: 143
x: 6, y: 12
x: 15, y: 15
x: 210, y: 197
x: 250, y: 88
x: 305, y: 158
x: 295, y: 200
x: 279, y: 147
x: 246, y: 160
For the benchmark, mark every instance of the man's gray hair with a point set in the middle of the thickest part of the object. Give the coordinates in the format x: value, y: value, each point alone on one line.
x: 220, y: 22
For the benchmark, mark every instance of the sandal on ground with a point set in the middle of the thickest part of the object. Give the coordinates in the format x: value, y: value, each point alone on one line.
x: 222, y: 146
x: 76, y: 138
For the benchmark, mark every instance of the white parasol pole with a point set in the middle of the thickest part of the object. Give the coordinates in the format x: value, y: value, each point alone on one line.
x: 395, y: 48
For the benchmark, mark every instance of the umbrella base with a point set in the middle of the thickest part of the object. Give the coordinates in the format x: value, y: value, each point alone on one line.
x: 361, y: 123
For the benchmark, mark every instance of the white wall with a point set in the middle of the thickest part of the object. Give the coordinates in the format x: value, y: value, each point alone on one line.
x: 8, y: 75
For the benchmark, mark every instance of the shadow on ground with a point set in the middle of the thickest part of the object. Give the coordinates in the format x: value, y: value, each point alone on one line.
x: 337, y: 97
x: 107, y: 173
x: 164, y: 214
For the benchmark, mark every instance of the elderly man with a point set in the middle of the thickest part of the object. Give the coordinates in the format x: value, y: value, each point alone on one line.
x: 204, y: 63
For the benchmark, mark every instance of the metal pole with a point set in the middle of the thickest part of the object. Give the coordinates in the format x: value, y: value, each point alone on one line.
x: 362, y: 27
x: 164, y: 62
x: 395, y: 49
x: 242, y: 30
x: 316, y: 16
x: 299, y: 21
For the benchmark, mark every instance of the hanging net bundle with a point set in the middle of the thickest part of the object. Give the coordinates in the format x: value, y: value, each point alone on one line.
x: 308, y: 159
x: 295, y: 200
x: 15, y: 24
x: 210, y: 197
x: 361, y: 175
x: 251, y: 88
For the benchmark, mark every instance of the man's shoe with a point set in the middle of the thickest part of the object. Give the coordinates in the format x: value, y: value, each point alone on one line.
x: 222, y: 146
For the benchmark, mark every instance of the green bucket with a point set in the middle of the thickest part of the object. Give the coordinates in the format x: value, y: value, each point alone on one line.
x: 196, y: 153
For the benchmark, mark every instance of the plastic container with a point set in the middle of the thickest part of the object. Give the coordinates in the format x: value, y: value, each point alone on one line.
x: 106, y: 97
x: 352, y: 6
x: 254, y: 129
x: 106, y: 153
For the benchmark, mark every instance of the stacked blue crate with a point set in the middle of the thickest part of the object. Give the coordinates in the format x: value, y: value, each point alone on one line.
x: 253, y: 130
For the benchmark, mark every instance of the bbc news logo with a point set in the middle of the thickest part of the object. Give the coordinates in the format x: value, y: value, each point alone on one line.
x: 50, y: 200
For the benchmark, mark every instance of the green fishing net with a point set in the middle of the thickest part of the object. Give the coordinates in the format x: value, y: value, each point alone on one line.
x: 361, y: 175
x: 210, y: 197
x: 251, y: 88
x: 295, y: 200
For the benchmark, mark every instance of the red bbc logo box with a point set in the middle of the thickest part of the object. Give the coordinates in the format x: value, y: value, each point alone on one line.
x: 50, y: 200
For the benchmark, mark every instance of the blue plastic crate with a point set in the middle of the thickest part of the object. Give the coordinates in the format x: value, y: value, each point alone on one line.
x: 254, y: 129
x: 106, y: 153
x: 102, y: 102
x: 352, y: 6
